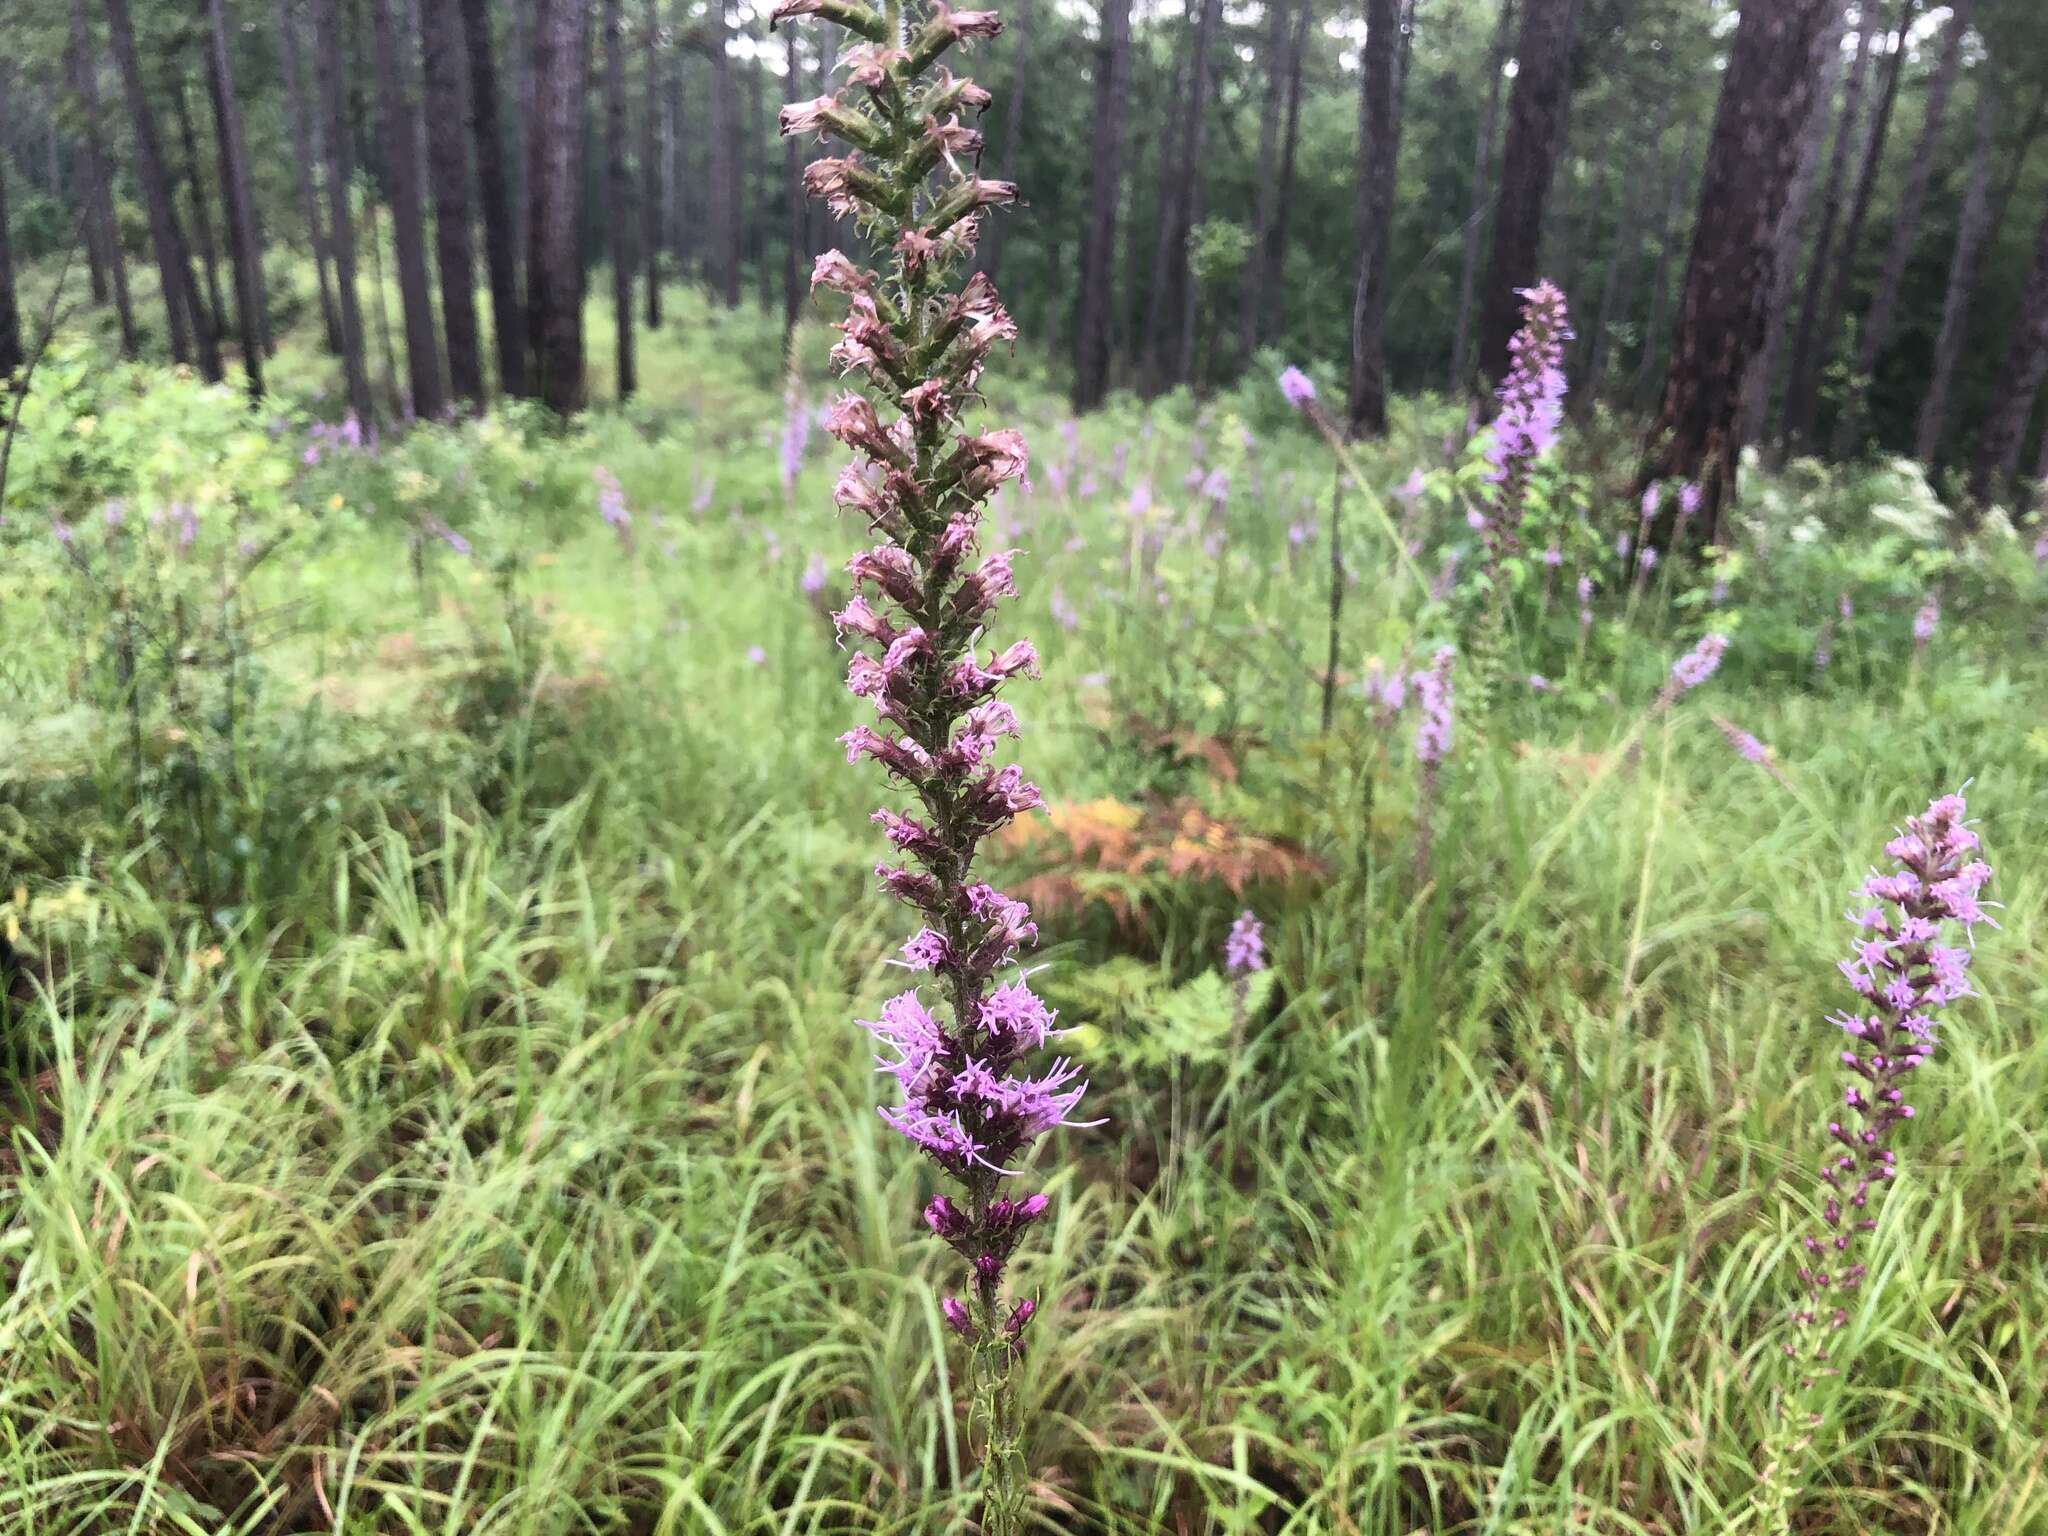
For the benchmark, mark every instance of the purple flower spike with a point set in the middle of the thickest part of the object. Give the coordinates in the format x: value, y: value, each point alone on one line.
x: 1531, y: 408
x: 1902, y: 975
x: 1926, y: 621
x: 1298, y: 387
x: 1245, y: 950
x: 917, y: 332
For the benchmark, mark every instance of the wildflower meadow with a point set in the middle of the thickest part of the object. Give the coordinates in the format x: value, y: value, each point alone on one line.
x: 867, y: 912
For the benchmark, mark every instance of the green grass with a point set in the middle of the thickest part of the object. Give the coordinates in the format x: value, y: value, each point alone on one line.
x: 505, y: 1162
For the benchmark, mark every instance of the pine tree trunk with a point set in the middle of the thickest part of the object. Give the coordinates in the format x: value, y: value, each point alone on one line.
x: 682, y: 185
x: 1484, y: 149
x: 99, y: 172
x: 1093, y: 330
x: 238, y: 202
x: 387, y: 350
x: 1194, y: 184
x: 1678, y: 176
x: 1623, y: 251
x: 554, y: 265
x: 1273, y: 292
x: 650, y: 166
x: 1377, y: 153
x: 1159, y: 295
x: 1964, y: 267
x: 299, y: 118
x: 1802, y: 388
x: 723, y: 215
x: 213, y: 313
x: 1767, y: 91
x: 2020, y: 374
x: 398, y: 119
x: 618, y: 186
x: 988, y: 256
x: 1763, y: 368
x: 447, y: 117
x: 756, y: 135
x: 1266, y: 188
x: 11, y: 355
x: 329, y: 64
x: 189, y: 336
x: 494, y: 190
x: 1882, y: 314
x: 1805, y: 400
x: 1536, y: 117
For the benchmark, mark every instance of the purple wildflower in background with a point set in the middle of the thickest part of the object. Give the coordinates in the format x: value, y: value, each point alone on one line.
x: 916, y: 338
x: 1298, y: 388
x: 1748, y: 748
x: 1531, y: 407
x: 1647, y: 559
x: 1244, y: 951
x: 1412, y: 487
x: 1064, y: 613
x: 611, y: 505
x: 1433, y: 737
x: 187, y: 519
x: 1689, y: 497
x: 114, y: 514
x: 796, y: 437
x: 1845, y: 605
x: 2041, y: 550
x: 757, y: 656
x: 1553, y: 557
x: 1436, y: 730
x: 62, y: 531
x: 1903, y: 975
x: 1926, y: 621
x: 1585, y: 591
x: 1694, y: 667
x: 1538, y: 683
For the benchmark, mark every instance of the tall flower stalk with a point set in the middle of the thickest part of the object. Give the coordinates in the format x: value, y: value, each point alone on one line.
x: 1903, y: 975
x: 914, y: 340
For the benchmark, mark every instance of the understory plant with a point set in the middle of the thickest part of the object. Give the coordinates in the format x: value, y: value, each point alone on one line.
x: 915, y: 339
x: 1903, y: 974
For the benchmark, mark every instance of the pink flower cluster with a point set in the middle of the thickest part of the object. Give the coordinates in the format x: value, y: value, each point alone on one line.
x: 913, y: 342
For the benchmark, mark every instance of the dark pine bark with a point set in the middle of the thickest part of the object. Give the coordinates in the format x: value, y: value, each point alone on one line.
x: 1803, y: 382
x: 1677, y: 175
x: 1803, y: 404
x: 1094, y: 329
x: 1536, y: 117
x: 1763, y: 368
x: 11, y: 356
x: 1964, y: 267
x: 447, y: 122
x: 2019, y: 379
x: 723, y: 215
x: 1272, y: 300
x: 1484, y: 150
x: 80, y: 62
x: 554, y: 265
x: 1251, y: 298
x: 650, y: 163
x: 299, y: 117
x: 238, y: 201
x: 1773, y: 75
x: 213, y: 313
x: 1623, y: 254
x: 327, y: 52
x: 398, y: 117
x: 190, y: 337
x: 618, y: 193
x: 1172, y: 192
x: 1193, y: 182
x: 494, y: 191
x: 1378, y: 149
x: 1879, y: 319
x: 1017, y: 28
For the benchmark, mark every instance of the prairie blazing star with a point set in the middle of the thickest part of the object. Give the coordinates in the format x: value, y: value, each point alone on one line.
x: 1903, y: 972
x: 915, y: 339
x: 1749, y: 748
x: 1692, y: 669
x: 1926, y: 622
x: 1298, y: 388
x: 1244, y: 951
x: 611, y: 505
x: 1433, y: 736
x: 1531, y: 407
